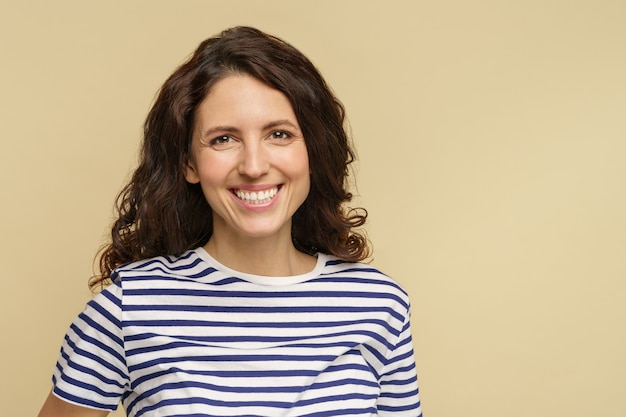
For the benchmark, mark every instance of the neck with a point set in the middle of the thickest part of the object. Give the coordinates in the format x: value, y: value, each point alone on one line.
x: 260, y: 256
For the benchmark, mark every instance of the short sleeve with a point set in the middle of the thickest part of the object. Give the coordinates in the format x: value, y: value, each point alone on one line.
x: 399, y: 391
x: 91, y: 369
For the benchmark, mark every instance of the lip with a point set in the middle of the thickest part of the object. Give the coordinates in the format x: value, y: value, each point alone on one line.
x: 255, y: 187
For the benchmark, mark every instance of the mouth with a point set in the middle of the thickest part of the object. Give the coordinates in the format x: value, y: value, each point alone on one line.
x: 256, y: 197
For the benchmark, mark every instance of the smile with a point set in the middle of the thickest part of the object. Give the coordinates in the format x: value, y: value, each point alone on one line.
x: 256, y: 197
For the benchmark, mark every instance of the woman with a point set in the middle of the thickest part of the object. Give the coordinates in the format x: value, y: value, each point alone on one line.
x: 236, y: 287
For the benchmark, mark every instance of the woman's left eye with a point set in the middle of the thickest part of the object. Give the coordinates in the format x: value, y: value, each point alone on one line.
x: 279, y: 134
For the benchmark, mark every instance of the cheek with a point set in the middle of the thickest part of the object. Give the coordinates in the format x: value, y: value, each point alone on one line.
x: 301, y: 171
x: 299, y: 162
x: 212, y: 170
x: 306, y: 169
x: 213, y: 174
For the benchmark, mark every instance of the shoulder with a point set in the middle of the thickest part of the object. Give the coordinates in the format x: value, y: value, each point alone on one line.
x: 188, y: 265
x: 358, y: 276
x: 338, y: 267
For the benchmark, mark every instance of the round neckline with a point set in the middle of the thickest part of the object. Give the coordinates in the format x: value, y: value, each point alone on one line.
x: 264, y: 279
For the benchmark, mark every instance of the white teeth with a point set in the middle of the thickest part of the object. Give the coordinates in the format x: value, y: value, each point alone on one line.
x: 257, y: 197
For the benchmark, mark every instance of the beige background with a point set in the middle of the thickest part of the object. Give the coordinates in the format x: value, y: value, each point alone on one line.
x: 492, y: 140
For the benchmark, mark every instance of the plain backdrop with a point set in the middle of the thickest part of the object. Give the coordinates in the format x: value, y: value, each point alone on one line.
x: 492, y: 142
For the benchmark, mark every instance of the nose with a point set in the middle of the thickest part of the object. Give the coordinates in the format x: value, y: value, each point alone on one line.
x: 254, y: 161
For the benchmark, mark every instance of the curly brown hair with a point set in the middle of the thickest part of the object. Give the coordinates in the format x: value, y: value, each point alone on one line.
x: 160, y: 213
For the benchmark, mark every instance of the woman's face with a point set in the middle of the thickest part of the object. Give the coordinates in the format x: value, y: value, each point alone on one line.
x: 250, y: 158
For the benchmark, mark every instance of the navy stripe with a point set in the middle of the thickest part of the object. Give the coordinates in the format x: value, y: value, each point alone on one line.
x: 398, y: 395
x: 233, y: 358
x: 262, y: 339
x: 255, y: 325
x: 82, y: 401
x: 263, y: 295
x: 89, y: 387
x: 344, y: 412
x: 394, y: 409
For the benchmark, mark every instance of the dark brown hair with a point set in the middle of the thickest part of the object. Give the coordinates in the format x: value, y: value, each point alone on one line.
x: 160, y: 213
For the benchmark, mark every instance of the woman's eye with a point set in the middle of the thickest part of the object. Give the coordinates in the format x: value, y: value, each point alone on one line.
x: 279, y: 134
x: 221, y: 140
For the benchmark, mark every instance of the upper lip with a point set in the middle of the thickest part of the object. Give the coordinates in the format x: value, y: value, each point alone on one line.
x: 255, y: 187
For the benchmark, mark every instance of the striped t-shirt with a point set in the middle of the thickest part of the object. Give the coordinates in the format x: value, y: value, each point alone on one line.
x: 188, y: 336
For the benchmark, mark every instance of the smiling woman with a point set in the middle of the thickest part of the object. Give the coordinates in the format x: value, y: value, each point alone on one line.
x: 234, y: 282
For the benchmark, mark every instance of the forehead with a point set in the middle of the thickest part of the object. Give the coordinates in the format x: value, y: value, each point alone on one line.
x: 243, y: 98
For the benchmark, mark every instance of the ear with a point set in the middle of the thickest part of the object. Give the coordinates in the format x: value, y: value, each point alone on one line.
x: 191, y: 172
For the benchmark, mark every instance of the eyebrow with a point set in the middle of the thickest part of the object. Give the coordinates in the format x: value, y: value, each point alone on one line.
x: 232, y: 129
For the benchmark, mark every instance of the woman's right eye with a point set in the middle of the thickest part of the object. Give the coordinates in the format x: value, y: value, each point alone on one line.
x: 221, y: 140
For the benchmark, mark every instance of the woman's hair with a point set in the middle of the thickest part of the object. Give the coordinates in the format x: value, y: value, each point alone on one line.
x: 160, y: 213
